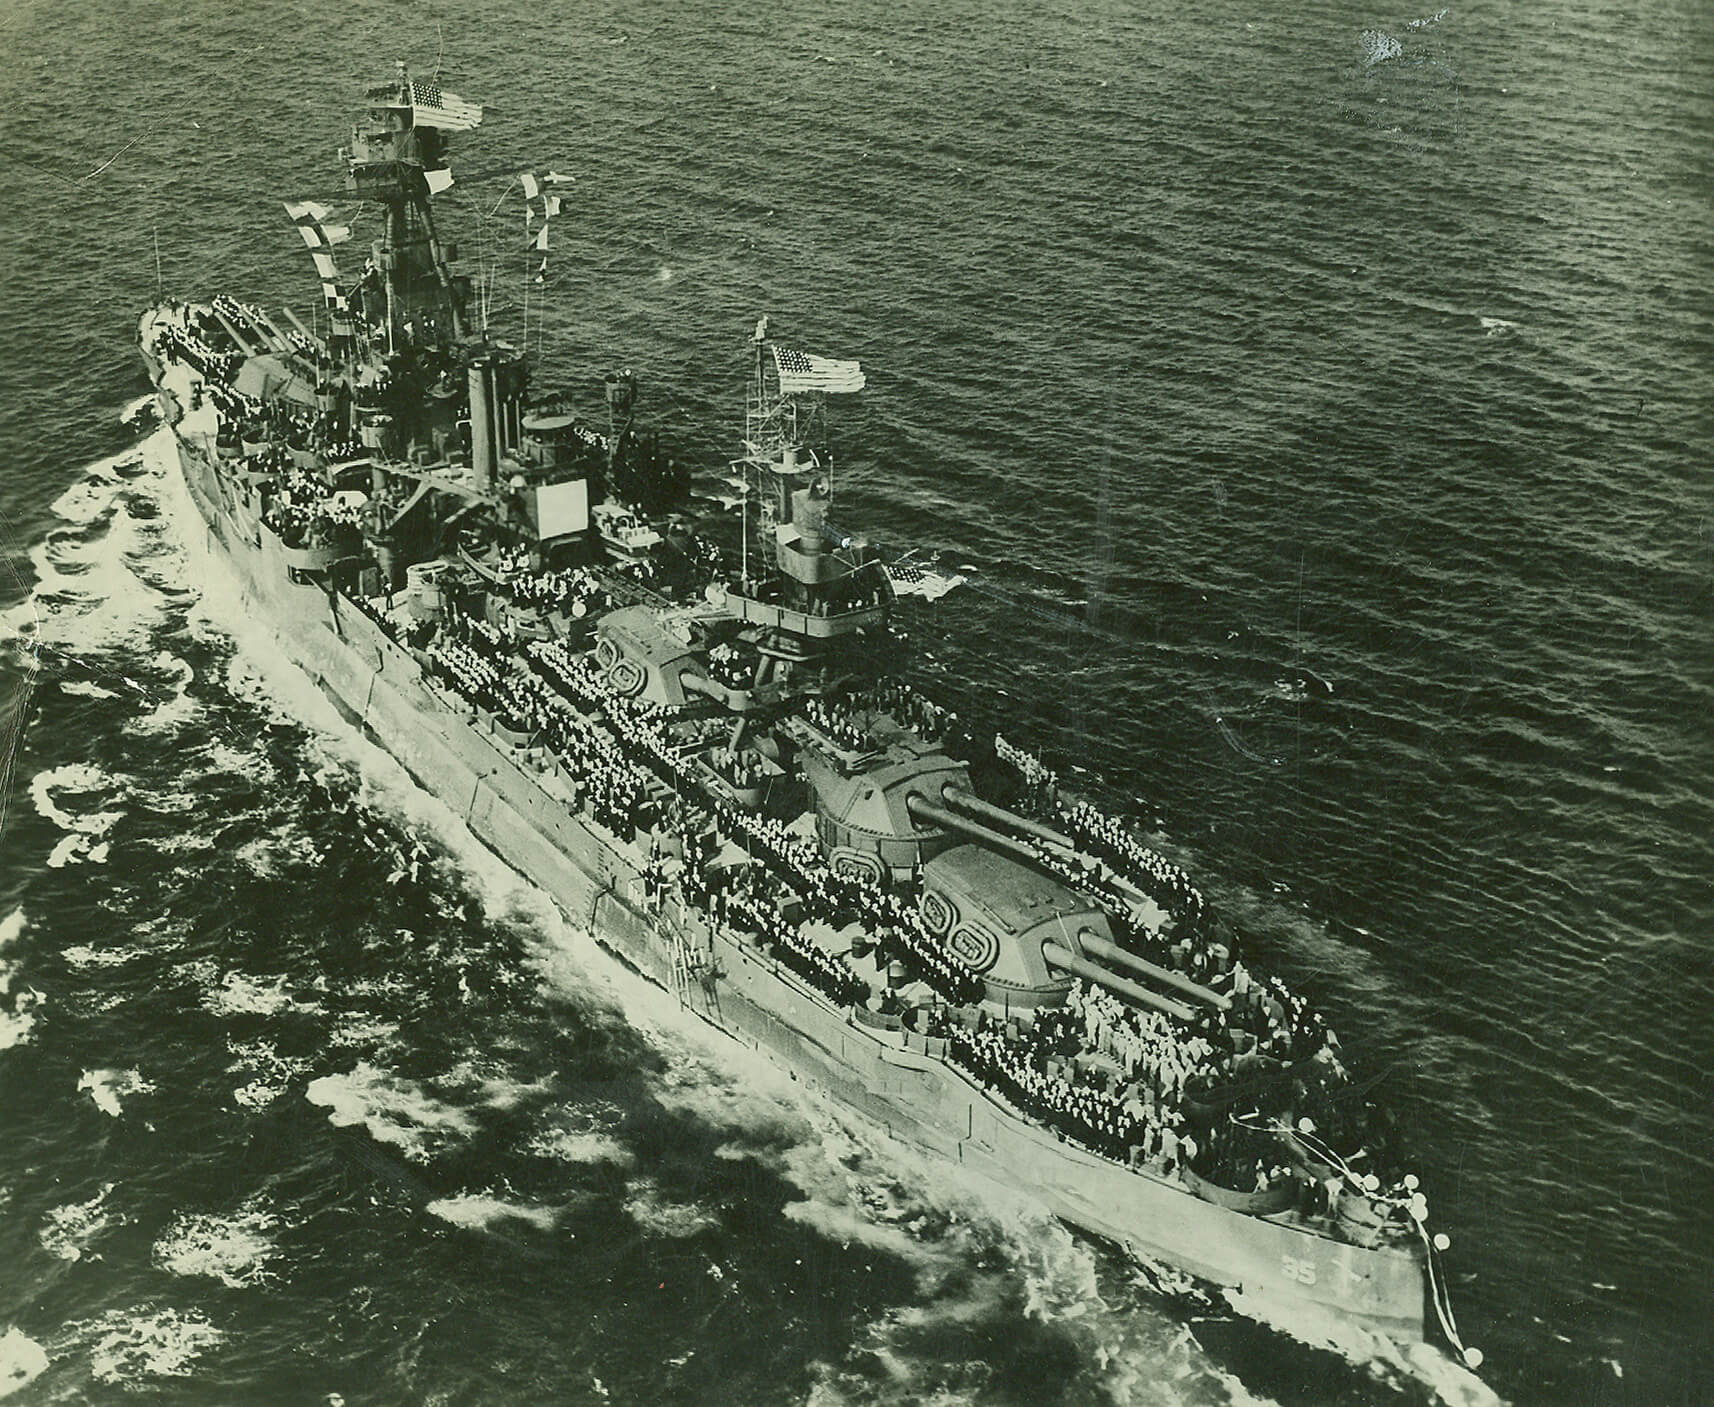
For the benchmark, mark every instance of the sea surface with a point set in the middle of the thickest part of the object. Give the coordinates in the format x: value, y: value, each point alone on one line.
x: 1320, y: 401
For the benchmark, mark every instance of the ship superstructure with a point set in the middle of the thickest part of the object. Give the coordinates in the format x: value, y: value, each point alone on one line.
x: 705, y: 744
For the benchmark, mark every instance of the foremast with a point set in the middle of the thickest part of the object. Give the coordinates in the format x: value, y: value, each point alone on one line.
x: 397, y: 158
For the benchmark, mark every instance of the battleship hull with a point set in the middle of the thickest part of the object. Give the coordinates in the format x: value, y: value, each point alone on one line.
x: 515, y: 803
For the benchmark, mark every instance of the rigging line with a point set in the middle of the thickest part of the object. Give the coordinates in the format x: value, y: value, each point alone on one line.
x: 503, y: 194
x: 149, y: 132
x: 116, y: 155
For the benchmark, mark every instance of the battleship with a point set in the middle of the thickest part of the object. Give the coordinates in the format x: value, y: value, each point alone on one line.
x: 698, y: 734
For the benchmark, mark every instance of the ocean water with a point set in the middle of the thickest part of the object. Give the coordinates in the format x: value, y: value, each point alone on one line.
x: 1320, y: 404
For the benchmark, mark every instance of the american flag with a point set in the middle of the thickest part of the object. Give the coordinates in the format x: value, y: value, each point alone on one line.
x: 911, y: 580
x: 448, y: 111
x: 799, y: 371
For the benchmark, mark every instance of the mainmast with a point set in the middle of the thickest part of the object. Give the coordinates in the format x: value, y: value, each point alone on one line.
x: 804, y: 593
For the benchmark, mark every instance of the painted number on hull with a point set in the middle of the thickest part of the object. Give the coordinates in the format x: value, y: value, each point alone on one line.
x: 1301, y: 1272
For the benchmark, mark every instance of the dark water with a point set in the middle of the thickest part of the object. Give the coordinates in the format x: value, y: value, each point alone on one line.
x: 1334, y: 390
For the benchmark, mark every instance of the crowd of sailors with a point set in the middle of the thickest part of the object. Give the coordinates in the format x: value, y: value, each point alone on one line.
x: 835, y: 722
x: 846, y: 721
x: 737, y: 906
x: 730, y: 666
x: 191, y: 344
x: 1125, y: 1082
x: 893, y: 696
x: 1131, y: 1085
x: 573, y: 590
x: 302, y: 511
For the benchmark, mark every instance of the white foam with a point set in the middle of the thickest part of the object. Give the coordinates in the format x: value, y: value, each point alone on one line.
x: 233, y: 1249
x: 646, y: 1206
x: 477, y: 1211
x: 1384, y: 1359
x: 356, y: 1030
x: 107, y: 589
x: 240, y: 995
x: 482, y: 1078
x: 848, y: 1227
x: 69, y: 851
x: 69, y: 1229
x: 394, y: 1110
x: 81, y: 955
x: 571, y: 1146
x: 109, y: 1087
x: 19, y: 1020
x: 90, y: 498
x: 83, y: 688
x: 130, y: 1345
x: 135, y: 408
x: 75, y: 778
x: 16, y: 1025
x: 22, y: 1361
x: 276, y: 1072
x: 176, y: 707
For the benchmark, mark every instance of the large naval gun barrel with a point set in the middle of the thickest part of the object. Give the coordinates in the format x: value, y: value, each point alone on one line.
x: 1067, y: 961
x: 938, y: 815
x: 1164, y: 976
x: 1093, y: 945
x: 1000, y: 816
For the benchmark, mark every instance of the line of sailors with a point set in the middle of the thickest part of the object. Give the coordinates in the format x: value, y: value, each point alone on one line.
x: 1158, y: 877
x: 928, y: 720
x: 1037, y: 774
x: 739, y: 907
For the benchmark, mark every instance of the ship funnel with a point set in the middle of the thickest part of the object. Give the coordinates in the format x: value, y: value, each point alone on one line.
x: 809, y: 513
x: 482, y: 446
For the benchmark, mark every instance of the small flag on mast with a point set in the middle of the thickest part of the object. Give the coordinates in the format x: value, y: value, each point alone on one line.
x: 801, y: 371
x: 432, y: 107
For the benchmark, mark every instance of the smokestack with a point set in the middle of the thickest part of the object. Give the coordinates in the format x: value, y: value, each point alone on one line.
x: 482, y: 446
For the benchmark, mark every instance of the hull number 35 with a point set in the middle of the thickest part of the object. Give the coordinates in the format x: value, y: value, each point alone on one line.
x: 1299, y: 1272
